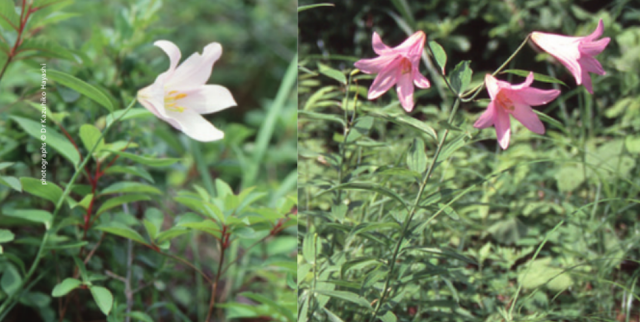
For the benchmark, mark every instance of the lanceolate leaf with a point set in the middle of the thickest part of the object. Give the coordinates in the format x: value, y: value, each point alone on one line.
x: 369, y: 186
x: 536, y: 76
x: 146, y: 160
x: 81, y: 87
x: 439, y: 54
x: 122, y: 231
x: 50, y: 191
x: 103, y: 298
x: 52, y: 138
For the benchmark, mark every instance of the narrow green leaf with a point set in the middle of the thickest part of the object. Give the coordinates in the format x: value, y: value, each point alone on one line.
x: 347, y: 296
x: 332, y: 73
x: 153, y: 222
x: 66, y: 286
x: 309, y: 247
x: 134, y: 113
x: 117, y: 201
x: 103, y: 298
x: 81, y: 87
x: 202, y: 207
x: 368, y: 186
x: 146, y: 160
x: 207, y: 226
x: 285, y: 312
x: 410, y: 121
x: 548, y: 119
x: 11, y: 280
x: 8, y: 13
x: 439, y: 54
x: 140, y: 316
x: 82, y: 268
x: 536, y: 76
x: 49, y: 138
x: 90, y: 136
x: 322, y: 116
x: 4, y: 165
x: 132, y: 170
x: 50, y: 191
x: 417, y: 156
x: 6, y: 236
x: 461, y: 76
x: 303, y: 8
x: 130, y: 187
x: 11, y: 182
x: 34, y: 215
x: 170, y: 233
x: 453, y: 146
x: 332, y: 316
x: 43, y: 47
x: 121, y: 230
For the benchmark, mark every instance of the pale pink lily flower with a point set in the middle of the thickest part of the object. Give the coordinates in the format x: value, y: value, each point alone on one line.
x: 180, y: 95
x: 397, y: 65
x: 516, y: 100
x: 575, y: 53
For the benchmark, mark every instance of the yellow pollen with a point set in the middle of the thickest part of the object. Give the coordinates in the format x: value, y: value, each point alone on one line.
x: 504, y: 101
x: 169, y: 101
x: 174, y: 108
x: 405, y: 65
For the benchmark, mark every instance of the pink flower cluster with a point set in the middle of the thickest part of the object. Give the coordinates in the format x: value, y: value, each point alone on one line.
x: 399, y: 66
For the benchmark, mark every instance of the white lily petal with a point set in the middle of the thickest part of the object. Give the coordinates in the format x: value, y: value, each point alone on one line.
x: 208, y: 99
x: 172, y: 51
x: 195, y: 70
x: 196, y: 126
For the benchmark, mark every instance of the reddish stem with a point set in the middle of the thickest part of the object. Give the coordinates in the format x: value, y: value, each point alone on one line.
x: 24, y: 16
x: 214, y: 288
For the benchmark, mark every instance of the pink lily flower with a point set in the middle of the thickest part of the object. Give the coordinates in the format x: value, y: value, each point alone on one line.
x: 180, y: 95
x: 516, y: 100
x: 397, y: 65
x: 575, y: 53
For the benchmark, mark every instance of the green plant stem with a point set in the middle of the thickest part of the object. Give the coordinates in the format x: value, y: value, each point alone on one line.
x: 345, y: 133
x: 414, y: 208
x: 58, y: 207
x: 478, y: 88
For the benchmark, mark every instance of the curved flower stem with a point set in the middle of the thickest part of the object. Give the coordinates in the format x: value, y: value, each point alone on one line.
x: 414, y: 208
x: 58, y: 207
x: 478, y: 88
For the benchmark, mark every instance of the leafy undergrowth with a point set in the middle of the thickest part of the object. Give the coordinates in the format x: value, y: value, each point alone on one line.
x: 546, y: 230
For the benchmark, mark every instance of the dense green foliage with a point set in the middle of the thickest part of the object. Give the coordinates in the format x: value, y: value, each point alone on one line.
x: 546, y: 230
x: 154, y: 223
